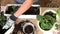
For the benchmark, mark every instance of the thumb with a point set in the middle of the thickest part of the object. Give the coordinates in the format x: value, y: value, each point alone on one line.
x: 5, y: 27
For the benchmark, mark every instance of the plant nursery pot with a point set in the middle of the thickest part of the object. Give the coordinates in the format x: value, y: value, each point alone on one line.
x: 50, y: 30
x: 11, y: 8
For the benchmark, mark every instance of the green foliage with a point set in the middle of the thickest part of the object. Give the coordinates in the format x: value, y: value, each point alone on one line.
x: 15, y: 8
x: 2, y: 20
x: 39, y: 18
x: 50, y: 19
x: 45, y: 26
x: 56, y: 25
x: 58, y: 12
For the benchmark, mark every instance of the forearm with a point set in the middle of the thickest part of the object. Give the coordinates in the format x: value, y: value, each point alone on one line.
x: 24, y: 7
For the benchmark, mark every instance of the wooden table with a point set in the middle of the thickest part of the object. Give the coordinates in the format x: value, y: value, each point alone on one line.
x: 5, y: 2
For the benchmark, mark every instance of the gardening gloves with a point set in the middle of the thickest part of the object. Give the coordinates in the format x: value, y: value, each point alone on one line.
x: 10, y: 22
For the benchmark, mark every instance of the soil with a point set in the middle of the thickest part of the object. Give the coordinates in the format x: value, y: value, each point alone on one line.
x: 29, y: 29
x: 10, y: 10
x: 31, y: 11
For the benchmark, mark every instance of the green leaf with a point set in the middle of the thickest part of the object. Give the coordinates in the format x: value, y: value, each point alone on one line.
x: 58, y: 12
x: 39, y: 18
x: 45, y: 26
x: 50, y: 19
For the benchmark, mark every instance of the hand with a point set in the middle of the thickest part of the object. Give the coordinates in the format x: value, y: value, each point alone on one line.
x: 8, y: 24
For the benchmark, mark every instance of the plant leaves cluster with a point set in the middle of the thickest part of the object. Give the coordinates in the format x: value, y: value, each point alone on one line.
x: 56, y: 25
x: 15, y: 8
x: 2, y: 19
x: 12, y: 9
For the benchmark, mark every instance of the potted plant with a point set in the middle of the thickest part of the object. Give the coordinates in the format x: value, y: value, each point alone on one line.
x: 10, y: 9
x: 46, y: 21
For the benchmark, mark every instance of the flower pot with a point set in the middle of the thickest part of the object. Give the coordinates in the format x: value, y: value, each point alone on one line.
x: 44, y: 31
x: 50, y: 30
x: 27, y: 27
x: 12, y: 8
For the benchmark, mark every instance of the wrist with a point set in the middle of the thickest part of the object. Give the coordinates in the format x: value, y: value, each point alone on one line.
x: 12, y: 17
